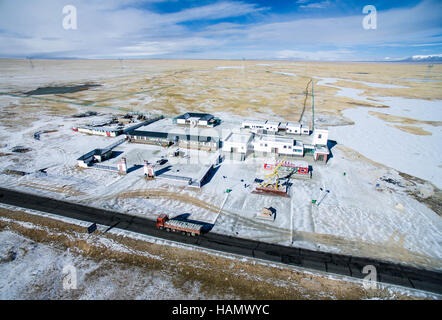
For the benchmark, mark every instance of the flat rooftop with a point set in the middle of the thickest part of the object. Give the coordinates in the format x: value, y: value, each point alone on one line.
x: 293, y: 124
x: 192, y: 166
x: 168, y: 126
x: 239, y: 137
x: 259, y: 122
x: 275, y: 138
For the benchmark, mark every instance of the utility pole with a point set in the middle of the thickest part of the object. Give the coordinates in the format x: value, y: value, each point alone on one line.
x: 313, y: 108
x: 30, y: 61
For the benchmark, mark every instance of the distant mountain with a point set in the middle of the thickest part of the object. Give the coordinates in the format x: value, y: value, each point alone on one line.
x: 418, y: 58
x: 431, y: 57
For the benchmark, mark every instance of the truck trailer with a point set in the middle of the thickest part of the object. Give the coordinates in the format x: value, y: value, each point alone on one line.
x: 186, y: 228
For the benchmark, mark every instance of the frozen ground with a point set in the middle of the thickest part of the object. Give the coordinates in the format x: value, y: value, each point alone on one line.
x: 39, y: 251
x: 417, y: 155
x: 356, y: 217
x: 32, y: 270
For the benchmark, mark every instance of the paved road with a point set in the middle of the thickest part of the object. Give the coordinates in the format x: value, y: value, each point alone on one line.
x: 327, y: 262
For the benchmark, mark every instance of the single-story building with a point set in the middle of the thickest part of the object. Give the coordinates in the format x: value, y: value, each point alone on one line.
x: 168, y: 138
x: 278, y: 145
x: 196, y: 119
x: 257, y: 126
x: 101, y: 131
x: 149, y: 137
x: 111, y: 129
x: 272, y: 126
x: 96, y: 155
x: 293, y: 128
x: 237, y: 142
x: 253, y: 125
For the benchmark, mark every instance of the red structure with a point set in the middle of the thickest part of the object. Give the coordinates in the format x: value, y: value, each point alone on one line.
x: 301, y: 167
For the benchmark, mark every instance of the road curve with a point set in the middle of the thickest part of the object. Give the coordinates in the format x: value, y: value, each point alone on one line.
x: 387, y: 272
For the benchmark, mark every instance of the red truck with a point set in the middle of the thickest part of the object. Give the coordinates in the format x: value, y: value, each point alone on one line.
x: 186, y: 228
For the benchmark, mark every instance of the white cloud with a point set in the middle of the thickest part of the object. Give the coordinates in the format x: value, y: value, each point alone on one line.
x: 315, y: 5
x: 326, y: 55
x: 114, y: 28
x: 213, y: 11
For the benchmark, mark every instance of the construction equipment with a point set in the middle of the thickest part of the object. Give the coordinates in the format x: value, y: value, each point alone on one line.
x: 185, y: 227
x: 271, y: 183
x: 299, y: 169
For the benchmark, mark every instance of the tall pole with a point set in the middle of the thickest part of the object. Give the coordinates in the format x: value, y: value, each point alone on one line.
x: 313, y: 108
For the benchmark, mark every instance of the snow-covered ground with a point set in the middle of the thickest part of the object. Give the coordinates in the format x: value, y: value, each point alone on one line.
x: 35, y: 270
x: 356, y: 217
x: 32, y: 270
x: 417, y: 155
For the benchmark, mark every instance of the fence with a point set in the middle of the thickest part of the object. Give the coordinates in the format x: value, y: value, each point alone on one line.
x: 100, y: 166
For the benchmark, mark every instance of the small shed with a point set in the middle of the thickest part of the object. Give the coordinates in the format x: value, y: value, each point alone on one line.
x: 321, y: 153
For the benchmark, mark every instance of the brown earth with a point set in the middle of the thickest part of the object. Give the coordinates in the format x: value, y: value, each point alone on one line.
x: 217, y: 276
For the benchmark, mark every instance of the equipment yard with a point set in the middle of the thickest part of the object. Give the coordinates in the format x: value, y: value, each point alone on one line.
x: 237, y: 169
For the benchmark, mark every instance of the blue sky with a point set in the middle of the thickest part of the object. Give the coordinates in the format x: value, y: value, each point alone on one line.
x: 223, y: 29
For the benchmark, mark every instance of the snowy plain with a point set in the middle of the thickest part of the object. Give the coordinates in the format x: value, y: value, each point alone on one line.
x: 356, y: 217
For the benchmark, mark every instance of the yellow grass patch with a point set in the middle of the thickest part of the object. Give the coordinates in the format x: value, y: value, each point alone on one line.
x: 413, y: 130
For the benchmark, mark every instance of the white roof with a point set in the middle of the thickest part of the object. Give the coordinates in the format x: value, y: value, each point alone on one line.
x: 323, y: 150
x: 239, y: 137
x: 260, y: 122
x: 293, y: 124
x: 272, y: 123
x: 277, y: 139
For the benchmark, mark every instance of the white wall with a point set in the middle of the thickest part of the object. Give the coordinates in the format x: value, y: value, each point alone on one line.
x: 181, y: 121
x: 320, y: 137
x: 296, y: 130
x: 270, y: 127
x: 268, y: 145
x: 305, y: 130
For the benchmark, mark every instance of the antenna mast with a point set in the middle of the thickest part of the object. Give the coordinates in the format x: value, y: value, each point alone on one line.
x: 313, y: 108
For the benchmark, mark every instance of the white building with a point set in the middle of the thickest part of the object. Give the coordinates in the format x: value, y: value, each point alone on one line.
x: 237, y: 142
x: 278, y: 145
x: 196, y: 119
x: 253, y: 125
x: 272, y: 126
x: 260, y: 125
x: 293, y: 127
x: 305, y: 130
x: 320, y: 137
